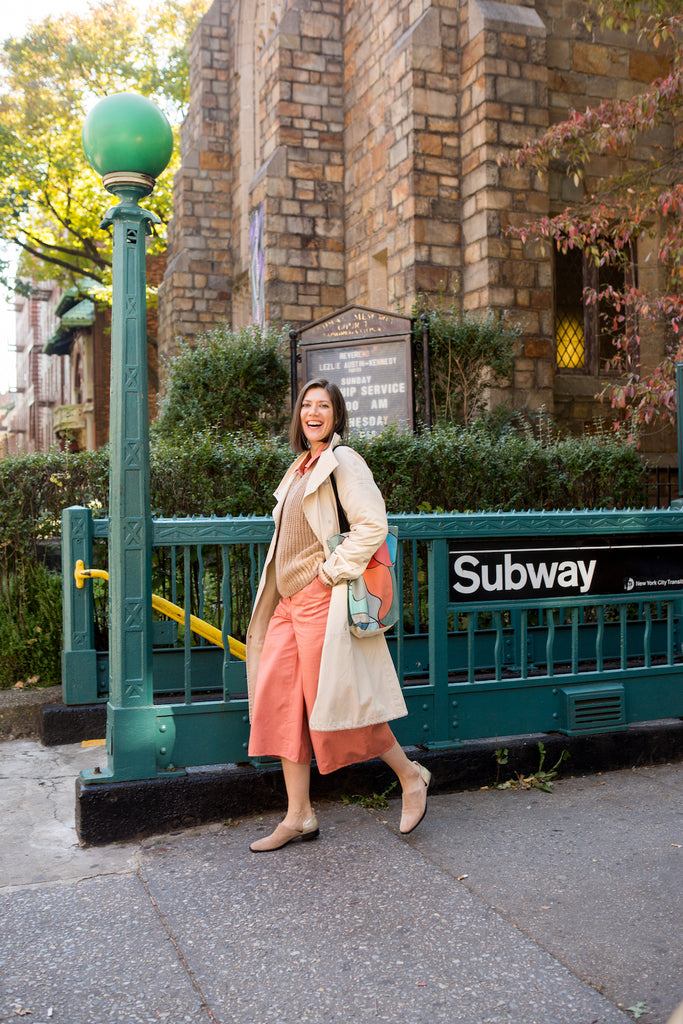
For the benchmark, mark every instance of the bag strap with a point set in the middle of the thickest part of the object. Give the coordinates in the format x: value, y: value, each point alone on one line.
x: 344, y: 525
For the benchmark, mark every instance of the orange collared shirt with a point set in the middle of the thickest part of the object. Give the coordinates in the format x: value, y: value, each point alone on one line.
x: 307, y: 463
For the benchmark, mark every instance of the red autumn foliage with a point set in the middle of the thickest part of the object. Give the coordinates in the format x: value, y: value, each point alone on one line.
x: 643, y: 200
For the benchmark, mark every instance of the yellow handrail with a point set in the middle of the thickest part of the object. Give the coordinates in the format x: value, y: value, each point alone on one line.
x: 197, y: 625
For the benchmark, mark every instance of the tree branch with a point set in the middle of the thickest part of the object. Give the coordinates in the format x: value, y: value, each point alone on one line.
x: 54, y: 261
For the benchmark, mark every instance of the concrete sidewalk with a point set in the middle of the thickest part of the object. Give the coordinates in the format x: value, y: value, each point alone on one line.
x: 504, y: 907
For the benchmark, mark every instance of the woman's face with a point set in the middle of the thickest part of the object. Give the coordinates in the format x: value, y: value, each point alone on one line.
x: 317, y: 417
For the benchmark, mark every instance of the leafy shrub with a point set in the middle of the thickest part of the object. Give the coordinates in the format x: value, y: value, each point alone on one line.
x: 205, y: 475
x: 229, y: 380
x: 453, y: 469
x: 468, y: 354
x: 34, y: 489
x: 31, y: 627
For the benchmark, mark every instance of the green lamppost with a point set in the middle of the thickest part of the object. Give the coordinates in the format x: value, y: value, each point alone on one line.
x: 128, y: 141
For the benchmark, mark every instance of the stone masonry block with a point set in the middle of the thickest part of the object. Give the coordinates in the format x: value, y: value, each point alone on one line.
x: 432, y: 103
x: 515, y: 90
x: 500, y: 17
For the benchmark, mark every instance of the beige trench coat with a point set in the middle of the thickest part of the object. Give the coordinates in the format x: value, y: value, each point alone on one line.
x: 358, y: 684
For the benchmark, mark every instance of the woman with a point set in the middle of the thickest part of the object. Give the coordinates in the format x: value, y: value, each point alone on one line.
x: 313, y: 687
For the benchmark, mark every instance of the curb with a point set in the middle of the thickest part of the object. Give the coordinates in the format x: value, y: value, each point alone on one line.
x: 109, y: 812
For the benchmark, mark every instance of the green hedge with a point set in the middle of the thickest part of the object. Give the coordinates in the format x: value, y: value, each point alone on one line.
x: 446, y: 469
x: 475, y: 470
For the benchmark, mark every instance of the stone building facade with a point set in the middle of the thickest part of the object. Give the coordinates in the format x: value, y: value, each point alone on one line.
x: 347, y: 152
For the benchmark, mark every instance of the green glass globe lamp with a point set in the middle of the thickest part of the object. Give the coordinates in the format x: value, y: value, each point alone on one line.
x: 128, y: 141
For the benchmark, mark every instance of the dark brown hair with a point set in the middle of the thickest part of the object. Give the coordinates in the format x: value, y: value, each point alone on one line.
x: 297, y: 438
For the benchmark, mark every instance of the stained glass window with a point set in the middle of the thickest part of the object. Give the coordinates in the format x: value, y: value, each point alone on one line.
x: 570, y: 336
x: 585, y: 333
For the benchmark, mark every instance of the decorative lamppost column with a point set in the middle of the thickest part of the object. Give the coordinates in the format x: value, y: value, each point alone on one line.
x: 128, y: 141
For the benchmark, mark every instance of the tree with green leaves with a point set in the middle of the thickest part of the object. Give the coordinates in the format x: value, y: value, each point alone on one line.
x: 51, y: 201
x: 642, y: 200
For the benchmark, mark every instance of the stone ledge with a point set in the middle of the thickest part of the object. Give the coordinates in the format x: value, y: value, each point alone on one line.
x: 40, y: 714
x: 21, y: 711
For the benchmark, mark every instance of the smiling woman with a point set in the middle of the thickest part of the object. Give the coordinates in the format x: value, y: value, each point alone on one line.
x: 314, y: 687
x: 318, y: 420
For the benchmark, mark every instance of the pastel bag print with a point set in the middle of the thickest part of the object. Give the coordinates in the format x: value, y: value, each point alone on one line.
x: 373, y: 597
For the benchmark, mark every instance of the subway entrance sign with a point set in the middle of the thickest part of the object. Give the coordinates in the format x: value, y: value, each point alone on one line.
x: 367, y: 354
x: 523, y: 568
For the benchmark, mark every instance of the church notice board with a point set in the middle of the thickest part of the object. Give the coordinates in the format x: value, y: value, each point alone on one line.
x: 368, y: 355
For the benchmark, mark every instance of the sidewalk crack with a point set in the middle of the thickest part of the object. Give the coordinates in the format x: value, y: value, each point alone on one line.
x: 181, y: 956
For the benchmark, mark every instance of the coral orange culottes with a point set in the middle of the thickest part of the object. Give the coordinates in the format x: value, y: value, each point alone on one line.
x: 287, y: 686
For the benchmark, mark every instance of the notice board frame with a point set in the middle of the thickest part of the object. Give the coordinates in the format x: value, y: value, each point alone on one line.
x: 375, y: 335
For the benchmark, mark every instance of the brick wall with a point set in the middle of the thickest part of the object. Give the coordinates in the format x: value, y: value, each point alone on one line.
x: 402, y: 175
x: 504, y: 102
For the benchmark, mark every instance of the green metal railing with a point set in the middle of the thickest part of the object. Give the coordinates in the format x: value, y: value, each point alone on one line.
x: 576, y: 659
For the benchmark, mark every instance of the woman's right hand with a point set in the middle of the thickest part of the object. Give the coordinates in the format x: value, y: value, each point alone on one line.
x: 324, y: 578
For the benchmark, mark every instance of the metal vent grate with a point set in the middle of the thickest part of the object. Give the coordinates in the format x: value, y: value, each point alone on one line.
x: 590, y: 709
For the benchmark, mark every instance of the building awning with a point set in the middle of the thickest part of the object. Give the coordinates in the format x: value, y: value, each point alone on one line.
x: 68, y: 299
x: 81, y: 315
x: 72, y: 318
x: 60, y: 342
